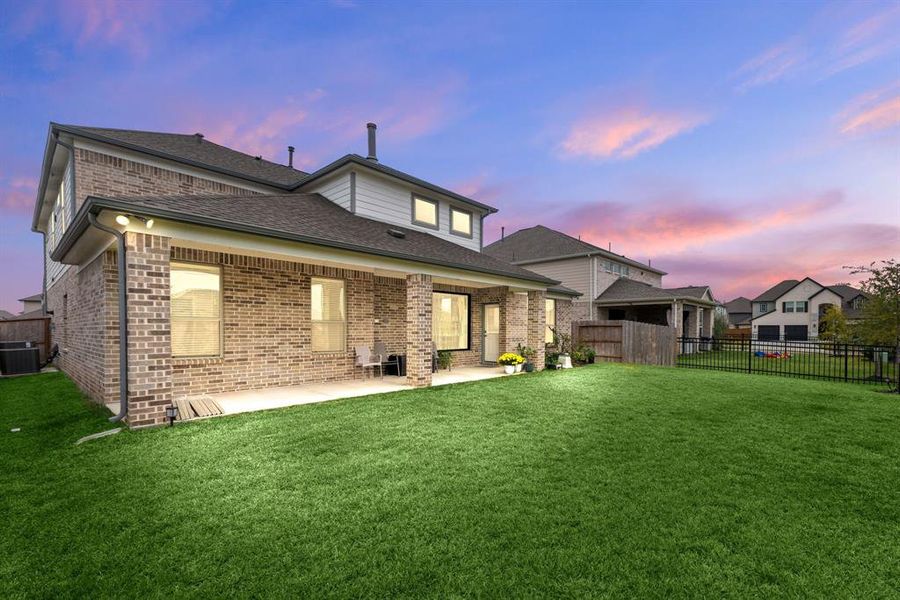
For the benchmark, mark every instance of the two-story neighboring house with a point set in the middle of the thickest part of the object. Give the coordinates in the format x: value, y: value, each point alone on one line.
x: 612, y: 286
x: 178, y: 267
x: 739, y: 312
x: 792, y: 309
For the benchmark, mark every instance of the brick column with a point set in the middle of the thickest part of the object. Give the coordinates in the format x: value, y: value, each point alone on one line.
x: 418, y: 329
x: 537, y: 326
x: 149, y: 325
x: 513, y: 321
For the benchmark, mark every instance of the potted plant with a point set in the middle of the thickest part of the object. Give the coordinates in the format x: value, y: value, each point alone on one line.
x: 445, y: 360
x: 528, y: 353
x: 563, y: 343
x: 509, y: 360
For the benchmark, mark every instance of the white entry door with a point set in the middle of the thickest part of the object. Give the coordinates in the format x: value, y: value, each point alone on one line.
x: 490, y: 337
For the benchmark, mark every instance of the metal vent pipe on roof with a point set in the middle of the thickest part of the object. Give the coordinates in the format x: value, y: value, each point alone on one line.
x: 291, y: 156
x: 372, y: 155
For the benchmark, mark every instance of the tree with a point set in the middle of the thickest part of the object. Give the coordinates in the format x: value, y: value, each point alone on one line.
x: 833, y: 326
x: 880, y: 323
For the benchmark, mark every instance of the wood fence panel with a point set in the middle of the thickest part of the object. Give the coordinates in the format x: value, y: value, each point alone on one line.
x: 36, y: 330
x: 627, y: 341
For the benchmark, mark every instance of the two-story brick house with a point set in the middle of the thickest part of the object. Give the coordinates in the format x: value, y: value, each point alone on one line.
x: 231, y: 272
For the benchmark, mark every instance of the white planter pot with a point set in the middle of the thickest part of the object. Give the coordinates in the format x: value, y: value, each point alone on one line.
x: 509, y: 369
x: 519, y: 368
x: 566, y: 361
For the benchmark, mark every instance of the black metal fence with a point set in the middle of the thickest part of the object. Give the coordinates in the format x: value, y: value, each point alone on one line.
x: 854, y: 363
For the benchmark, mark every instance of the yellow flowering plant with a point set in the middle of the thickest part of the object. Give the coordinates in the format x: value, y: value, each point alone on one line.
x: 510, y: 358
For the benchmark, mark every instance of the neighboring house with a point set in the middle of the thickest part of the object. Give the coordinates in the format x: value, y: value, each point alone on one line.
x: 739, y: 312
x: 244, y: 274
x: 792, y: 309
x: 612, y: 286
x: 6, y: 315
x: 31, y: 303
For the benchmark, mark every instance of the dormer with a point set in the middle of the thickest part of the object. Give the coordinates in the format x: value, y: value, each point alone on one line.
x: 370, y: 189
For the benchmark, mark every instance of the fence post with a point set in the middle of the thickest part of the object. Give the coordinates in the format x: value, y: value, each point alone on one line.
x: 846, y: 361
x: 750, y: 354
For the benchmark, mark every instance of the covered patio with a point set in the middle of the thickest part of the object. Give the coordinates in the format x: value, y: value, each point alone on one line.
x: 310, y: 393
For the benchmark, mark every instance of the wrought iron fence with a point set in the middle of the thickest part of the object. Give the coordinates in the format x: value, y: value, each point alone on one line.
x: 854, y: 363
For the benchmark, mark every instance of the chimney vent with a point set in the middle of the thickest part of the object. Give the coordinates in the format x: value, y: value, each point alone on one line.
x: 502, y: 233
x: 199, y: 137
x: 291, y: 156
x: 372, y: 155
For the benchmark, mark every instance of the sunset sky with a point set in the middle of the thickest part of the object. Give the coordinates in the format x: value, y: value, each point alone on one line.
x: 734, y: 144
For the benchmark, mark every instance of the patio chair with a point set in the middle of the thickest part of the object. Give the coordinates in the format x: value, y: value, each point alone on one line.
x: 381, y: 350
x: 434, y: 357
x: 366, y: 360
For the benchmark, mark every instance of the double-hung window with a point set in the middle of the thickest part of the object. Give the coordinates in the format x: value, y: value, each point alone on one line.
x: 799, y: 306
x: 424, y: 212
x: 550, y: 314
x: 196, y: 309
x: 450, y: 321
x: 328, y: 314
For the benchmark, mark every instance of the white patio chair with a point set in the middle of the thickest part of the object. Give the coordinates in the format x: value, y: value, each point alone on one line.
x: 381, y: 350
x: 366, y: 360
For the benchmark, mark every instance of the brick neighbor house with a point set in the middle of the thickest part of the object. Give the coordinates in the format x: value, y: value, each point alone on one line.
x: 243, y: 274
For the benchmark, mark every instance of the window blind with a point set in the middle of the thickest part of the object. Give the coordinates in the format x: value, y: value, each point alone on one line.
x: 328, y: 315
x: 450, y: 321
x: 196, y: 309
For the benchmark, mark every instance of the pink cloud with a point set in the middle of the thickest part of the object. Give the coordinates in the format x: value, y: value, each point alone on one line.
x: 135, y: 25
x: 771, y: 65
x: 872, y: 112
x: 626, y: 132
x: 17, y: 194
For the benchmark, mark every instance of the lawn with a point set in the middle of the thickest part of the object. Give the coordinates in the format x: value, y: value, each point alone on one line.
x: 607, y: 480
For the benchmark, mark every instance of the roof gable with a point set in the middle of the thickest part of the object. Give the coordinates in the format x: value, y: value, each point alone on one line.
x: 739, y: 305
x: 540, y: 243
x: 624, y: 289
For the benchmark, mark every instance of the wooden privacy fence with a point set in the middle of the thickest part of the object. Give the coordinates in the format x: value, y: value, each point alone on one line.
x: 35, y: 330
x: 627, y: 341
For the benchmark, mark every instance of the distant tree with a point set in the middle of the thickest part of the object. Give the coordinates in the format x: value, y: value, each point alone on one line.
x: 720, y: 325
x: 880, y: 323
x: 833, y: 327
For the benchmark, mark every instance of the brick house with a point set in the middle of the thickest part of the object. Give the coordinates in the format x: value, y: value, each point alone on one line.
x: 243, y: 274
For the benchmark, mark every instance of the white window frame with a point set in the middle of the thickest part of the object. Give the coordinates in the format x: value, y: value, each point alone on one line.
x: 174, y: 265
x: 468, y: 320
x: 342, y: 322
x: 548, y: 333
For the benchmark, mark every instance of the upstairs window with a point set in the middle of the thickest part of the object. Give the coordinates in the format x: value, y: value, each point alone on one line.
x: 196, y: 305
x: 763, y: 307
x: 460, y: 222
x: 616, y: 268
x: 328, y: 314
x: 799, y: 306
x: 425, y: 212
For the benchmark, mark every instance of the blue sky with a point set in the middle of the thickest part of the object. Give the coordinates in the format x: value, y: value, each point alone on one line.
x: 734, y: 144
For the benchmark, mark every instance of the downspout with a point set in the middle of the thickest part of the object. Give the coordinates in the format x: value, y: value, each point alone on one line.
x: 123, y: 317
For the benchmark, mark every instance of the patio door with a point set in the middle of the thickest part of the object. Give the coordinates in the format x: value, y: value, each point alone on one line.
x: 490, y: 335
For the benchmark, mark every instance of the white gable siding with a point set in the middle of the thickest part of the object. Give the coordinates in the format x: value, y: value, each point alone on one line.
x: 388, y: 200
x: 336, y: 188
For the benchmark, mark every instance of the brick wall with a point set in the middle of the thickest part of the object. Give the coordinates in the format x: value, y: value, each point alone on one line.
x: 80, y: 306
x: 267, y: 330
x: 536, y: 325
x: 100, y: 174
x: 513, y: 321
x: 565, y: 314
x: 390, y: 313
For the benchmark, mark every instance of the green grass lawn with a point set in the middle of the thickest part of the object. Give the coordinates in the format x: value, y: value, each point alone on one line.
x: 606, y: 480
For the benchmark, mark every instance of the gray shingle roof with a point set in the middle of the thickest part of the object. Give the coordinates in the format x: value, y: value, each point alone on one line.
x: 739, y: 305
x: 776, y: 291
x: 309, y: 218
x: 563, y: 290
x: 847, y: 292
x: 624, y: 289
x: 201, y: 152
x: 542, y: 243
x: 32, y: 298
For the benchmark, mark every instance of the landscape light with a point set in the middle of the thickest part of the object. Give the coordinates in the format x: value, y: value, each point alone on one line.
x: 171, y: 413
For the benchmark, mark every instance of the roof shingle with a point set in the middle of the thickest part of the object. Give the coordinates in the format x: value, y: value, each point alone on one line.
x: 624, y: 289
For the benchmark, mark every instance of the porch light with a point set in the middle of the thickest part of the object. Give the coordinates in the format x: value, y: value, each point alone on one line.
x: 123, y: 220
x: 171, y: 413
